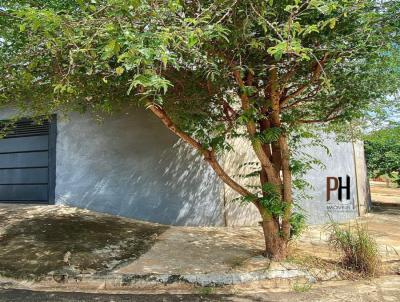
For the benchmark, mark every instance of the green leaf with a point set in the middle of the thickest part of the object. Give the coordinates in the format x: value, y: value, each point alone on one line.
x: 270, y: 135
x: 119, y: 70
x: 112, y: 48
x: 192, y: 41
x: 164, y: 60
x: 332, y: 23
x: 248, y: 90
x: 22, y: 27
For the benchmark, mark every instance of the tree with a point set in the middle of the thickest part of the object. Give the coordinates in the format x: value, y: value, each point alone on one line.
x: 382, y: 150
x: 211, y: 71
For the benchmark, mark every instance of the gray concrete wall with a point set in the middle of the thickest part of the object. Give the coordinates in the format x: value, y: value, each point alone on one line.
x: 363, y: 189
x: 317, y: 210
x: 237, y: 213
x: 339, y: 163
x: 131, y: 165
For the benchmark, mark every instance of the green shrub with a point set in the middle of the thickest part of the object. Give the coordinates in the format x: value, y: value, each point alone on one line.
x: 297, y: 224
x: 359, y: 248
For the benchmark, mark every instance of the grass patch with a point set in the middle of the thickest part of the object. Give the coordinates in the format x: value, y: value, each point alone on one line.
x: 358, y: 248
x: 301, y: 287
x: 321, y: 269
x: 205, y: 290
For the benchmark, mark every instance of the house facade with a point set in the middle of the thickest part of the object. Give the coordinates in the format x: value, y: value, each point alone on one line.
x: 131, y: 165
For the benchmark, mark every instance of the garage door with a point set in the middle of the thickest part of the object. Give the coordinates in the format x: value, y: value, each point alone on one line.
x: 27, y: 155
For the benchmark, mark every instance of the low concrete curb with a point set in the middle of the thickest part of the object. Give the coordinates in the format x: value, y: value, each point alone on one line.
x: 206, y: 279
x: 214, y: 279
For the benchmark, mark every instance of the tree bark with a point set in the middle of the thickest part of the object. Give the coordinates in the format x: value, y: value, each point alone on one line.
x: 265, y: 162
x: 277, y: 229
x: 287, y: 187
x: 275, y: 245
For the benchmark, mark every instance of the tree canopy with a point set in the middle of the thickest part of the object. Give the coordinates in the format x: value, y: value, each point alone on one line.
x: 211, y: 71
x: 337, y: 57
x: 382, y: 149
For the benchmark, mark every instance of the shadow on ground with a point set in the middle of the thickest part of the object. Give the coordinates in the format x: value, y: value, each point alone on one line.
x: 36, y: 241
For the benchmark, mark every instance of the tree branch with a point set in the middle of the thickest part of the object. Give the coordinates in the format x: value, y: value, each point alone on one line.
x: 320, y: 120
x: 229, y: 112
x: 317, y: 69
x: 329, y: 117
x: 289, y: 75
x: 275, y: 118
x: 251, y: 128
x: 303, y: 100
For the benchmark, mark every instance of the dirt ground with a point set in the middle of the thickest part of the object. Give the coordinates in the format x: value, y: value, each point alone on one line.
x: 381, y: 193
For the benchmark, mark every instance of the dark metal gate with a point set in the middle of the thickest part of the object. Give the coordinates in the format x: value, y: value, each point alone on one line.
x: 27, y: 162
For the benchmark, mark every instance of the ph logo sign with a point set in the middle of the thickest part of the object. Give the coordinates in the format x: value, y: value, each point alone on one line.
x: 334, y: 184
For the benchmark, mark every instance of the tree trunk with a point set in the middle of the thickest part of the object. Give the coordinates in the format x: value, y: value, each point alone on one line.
x: 273, y: 158
x: 277, y: 229
x: 275, y: 245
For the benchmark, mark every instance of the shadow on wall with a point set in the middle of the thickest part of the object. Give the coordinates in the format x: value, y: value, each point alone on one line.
x: 195, y: 183
x: 237, y: 213
x: 130, y: 165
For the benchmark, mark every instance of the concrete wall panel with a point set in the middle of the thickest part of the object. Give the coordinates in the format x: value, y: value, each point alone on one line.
x: 364, y: 194
x: 131, y: 165
x: 339, y: 163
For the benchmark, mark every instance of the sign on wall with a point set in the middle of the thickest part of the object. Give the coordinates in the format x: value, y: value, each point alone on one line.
x: 338, y: 194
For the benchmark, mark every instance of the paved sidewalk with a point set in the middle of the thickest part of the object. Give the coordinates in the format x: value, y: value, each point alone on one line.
x: 183, y: 250
x: 71, y: 248
x: 39, y: 240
